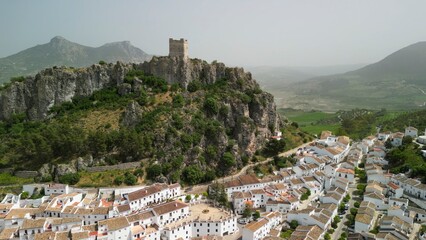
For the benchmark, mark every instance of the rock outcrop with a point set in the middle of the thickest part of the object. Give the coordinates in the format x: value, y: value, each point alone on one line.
x: 244, y: 120
x: 53, y: 86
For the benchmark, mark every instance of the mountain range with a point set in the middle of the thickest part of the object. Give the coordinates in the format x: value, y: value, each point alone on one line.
x: 397, y: 82
x: 61, y: 52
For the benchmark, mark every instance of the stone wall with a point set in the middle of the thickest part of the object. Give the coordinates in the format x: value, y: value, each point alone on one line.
x: 6, y: 170
x: 121, y: 166
x: 26, y: 174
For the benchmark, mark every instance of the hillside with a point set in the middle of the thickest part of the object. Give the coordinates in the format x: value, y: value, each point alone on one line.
x: 396, y: 82
x: 61, y: 52
x: 182, y: 119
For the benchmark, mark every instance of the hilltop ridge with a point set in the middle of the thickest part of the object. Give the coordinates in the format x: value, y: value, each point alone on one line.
x: 62, y: 52
x: 173, y: 111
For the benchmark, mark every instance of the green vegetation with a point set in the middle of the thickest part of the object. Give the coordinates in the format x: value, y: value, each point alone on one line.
x: 24, y: 195
x: 247, y: 211
x: 7, y: 179
x: 107, y: 178
x: 407, y: 157
x: 286, y: 234
x: 313, y: 122
x: 256, y: 215
x: 70, y: 178
x: 305, y: 195
x: 293, y: 224
x: 218, y: 195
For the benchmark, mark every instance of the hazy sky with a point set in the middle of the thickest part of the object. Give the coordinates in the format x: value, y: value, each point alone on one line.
x: 237, y: 32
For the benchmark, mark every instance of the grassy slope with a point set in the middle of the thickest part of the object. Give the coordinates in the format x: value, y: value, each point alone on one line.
x: 308, y: 120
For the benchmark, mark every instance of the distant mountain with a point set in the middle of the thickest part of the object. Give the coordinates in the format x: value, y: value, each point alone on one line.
x: 396, y: 82
x: 274, y: 78
x: 61, y: 52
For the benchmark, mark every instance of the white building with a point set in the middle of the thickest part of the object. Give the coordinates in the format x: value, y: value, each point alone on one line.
x: 155, y: 193
x: 259, y: 229
x: 411, y: 131
x: 56, y: 188
x: 114, y: 228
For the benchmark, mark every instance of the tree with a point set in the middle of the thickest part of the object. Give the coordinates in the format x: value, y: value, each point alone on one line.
x: 138, y: 172
x: 192, y: 174
x: 247, y: 211
x: 407, y: 140
x: 70, y: 178
x: 356, y: 204
x: 218, y: 195
x: 118, y: 180
x: 188, y: 198
x: 273, y: 147
x: 293, y: 224
x: 256, y: 215
x: 228, y: 160
x: 24, y: 195
x: 211, y: 105
x: 194, y: 86
x: 154, y: 171
x: 130, y: 179
x: 178, y: 101
x: 327, y: 236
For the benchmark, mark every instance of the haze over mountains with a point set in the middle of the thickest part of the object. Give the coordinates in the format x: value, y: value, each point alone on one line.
x: 396, y: 82
x: 61, y: 52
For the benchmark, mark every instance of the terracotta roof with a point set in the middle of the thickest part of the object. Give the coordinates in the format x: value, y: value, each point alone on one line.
x: 158, y: 187
x: 256, y: 225
x: 168, y: 207
x: 21, y: 212
x: 363, y: 218
x: 80, y: 235
x: 45, y: 236
x: 33, y: 223
x: 345, y: 170
x: 7, y: 233
x: 239, y: 195
x: 114, y: 224
x: 123, y: 208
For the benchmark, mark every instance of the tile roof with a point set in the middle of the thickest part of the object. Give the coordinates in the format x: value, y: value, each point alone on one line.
x: 158, y: 187
x: 33, y: 223
x: 256, y: 225
x: 168, y: 207
x: 114, y: 224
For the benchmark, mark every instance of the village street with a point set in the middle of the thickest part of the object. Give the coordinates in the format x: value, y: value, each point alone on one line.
x: 200, y: 188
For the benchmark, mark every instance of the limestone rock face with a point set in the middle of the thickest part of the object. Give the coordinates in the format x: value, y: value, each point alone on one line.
x: 249, y: 115
x: 132, y: 114
x: 36, y: 95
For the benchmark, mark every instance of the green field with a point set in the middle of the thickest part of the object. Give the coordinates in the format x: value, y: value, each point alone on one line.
x: 311, y: 121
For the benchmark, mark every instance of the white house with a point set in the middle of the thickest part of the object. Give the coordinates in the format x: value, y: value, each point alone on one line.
x: 155, y: 193
x: 56, y: 188
x: 348, y: 174
x: 411, y: 131
x: 394, y: 190
x: 397, y: 139
x: 365, y: 216
x: 259, y: 229
x: 377, y: 199
x: 114, y: 228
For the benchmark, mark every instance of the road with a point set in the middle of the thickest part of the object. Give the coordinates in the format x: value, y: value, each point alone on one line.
x: 200, y: 188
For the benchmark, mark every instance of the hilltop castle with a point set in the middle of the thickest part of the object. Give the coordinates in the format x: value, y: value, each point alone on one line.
x: 178, y: 48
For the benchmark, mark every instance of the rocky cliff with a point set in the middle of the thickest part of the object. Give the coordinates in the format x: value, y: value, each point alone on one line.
x: 53, y: 86
x: 217, y: 116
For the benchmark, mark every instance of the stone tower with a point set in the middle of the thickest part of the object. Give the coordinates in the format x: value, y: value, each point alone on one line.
x: 178, y: 48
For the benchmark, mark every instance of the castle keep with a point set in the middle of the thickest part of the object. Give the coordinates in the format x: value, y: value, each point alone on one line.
x: 178, y: 48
